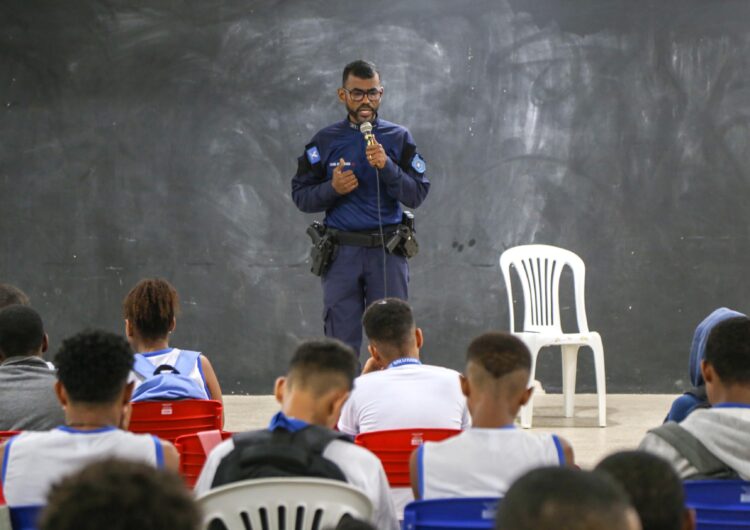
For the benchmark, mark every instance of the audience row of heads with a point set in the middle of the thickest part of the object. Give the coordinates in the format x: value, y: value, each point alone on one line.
x: 627, y: 491
x: 149, y: 309
x: 496, y: 362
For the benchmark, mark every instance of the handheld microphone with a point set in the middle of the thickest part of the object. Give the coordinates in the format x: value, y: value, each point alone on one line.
x: 366, y: 129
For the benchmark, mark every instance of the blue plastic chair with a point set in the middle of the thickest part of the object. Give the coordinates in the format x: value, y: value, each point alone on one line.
x: 719, y: 503
x: 444, y: 514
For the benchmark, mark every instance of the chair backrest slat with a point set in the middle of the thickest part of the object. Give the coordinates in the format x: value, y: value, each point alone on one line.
x: 539, y: 268
x: 283, y: 504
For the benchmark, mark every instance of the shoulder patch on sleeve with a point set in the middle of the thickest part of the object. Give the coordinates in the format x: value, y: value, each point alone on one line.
x: 418, y: 163
x: 313, y: 155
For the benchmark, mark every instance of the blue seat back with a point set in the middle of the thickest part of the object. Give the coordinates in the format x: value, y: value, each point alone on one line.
x: 444, y: 514
x: 24, y: 518
x: 719, y: 503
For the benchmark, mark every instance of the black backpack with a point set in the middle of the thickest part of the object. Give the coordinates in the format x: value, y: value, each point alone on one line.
x: 280, y: 453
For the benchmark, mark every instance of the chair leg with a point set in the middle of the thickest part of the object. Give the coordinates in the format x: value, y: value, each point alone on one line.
x: 569, y: 366
x: 527, y: 411
x: 601, y: 383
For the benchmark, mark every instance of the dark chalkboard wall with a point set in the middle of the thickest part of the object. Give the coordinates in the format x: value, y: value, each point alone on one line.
x: 142, y: 138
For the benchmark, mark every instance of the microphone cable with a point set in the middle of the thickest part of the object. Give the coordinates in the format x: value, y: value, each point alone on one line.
x: 382, y: 236
x: 366, y: 129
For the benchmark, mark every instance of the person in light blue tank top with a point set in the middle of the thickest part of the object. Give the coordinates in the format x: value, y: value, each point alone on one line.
x: 150, y: 311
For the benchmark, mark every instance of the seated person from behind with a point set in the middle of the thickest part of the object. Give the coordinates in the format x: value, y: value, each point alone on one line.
x: 128, y: 496
x: 11, y: 295
x: 317, y: 384
x: 486, y: 459
x: 696, y: 396
x: 92, y: 372
x: 27, y: 381
x: 150, y: 310
x: 654, y: 489
x: 566, y: 499
x: 712, y: 443
x: 397, y: 391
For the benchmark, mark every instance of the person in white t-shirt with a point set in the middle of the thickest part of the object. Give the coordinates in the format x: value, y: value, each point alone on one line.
x: 395, y: 390
x: 317, y: 384
x: 92, y: 371
x: 485, y: 460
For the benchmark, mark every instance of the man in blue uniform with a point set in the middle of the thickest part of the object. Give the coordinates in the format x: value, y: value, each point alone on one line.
x: 360, y: 186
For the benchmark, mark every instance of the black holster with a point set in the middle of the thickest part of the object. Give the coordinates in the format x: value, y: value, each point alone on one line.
x: 403, y: 242
x: 323, y: 250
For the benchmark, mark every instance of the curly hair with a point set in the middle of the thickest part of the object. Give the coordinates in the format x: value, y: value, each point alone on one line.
x: 120, y: 495
x: 93, y: 366
x: 151, y: 306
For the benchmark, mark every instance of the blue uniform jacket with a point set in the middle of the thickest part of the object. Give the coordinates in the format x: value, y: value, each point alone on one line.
x: 402, y: 180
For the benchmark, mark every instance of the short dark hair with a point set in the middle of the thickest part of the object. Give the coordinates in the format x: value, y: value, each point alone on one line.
x: 120, y: 495
x: 11, y: 295
x: 151, y: 306
x: 21, y: 331
x: 93, y: 366
x: 359, y: 68
x: 557, y: 497
x: 728, y: 350
x: 389, y: 322
x: 653, y: 486
x: 499, y: 354
x: 320, y: 363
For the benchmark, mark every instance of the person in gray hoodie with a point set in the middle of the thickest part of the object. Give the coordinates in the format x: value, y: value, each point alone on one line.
x: 712, y: 443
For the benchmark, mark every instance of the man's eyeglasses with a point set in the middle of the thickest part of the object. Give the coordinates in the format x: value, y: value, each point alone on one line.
x: 374, y: 94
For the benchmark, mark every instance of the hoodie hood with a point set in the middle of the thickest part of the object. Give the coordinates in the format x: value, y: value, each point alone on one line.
x: 700, y: 337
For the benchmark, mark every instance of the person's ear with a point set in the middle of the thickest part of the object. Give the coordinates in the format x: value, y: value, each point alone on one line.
x: 526, y: 396
x: 127, y: 393
x: 279, y: 388
x: 708, y: 372
x: 128, y: 329
x: 45, y: 343
x: 375, y: 353
x: 61, y: 393
x: 341, y: 94
x: 420, y: 338
x: 335, y: 406
x: 465, y: 387
x: 172, y: 325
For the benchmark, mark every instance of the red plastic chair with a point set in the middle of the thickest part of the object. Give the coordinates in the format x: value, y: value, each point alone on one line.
x: 170, y: 419
x: 4, y: 435
x: 393, y: 448
x: 193, y: 449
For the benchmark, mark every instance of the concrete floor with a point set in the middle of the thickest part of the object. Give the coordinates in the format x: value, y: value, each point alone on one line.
x: 629, y: 416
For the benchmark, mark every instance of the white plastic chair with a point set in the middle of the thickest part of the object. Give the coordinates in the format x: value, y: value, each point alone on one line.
x: 539, y: 267
x: 299, y: 503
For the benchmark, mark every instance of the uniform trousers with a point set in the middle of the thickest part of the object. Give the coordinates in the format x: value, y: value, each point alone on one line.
x: 356, y: 279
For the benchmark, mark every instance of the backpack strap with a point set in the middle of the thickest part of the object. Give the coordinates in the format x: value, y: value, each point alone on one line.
x: 693, y: 450
x: 142, y: 366
x: 185, y: 362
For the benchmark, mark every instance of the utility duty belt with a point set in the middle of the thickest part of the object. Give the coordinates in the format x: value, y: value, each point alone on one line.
x: 397, y: 239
